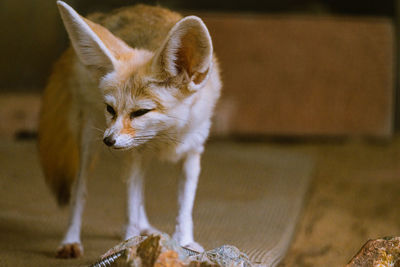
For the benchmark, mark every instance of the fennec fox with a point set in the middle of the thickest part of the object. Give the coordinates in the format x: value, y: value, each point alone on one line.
x: 150, y: 77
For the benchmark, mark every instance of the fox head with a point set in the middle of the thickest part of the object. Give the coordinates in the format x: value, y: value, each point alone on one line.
x: 146, y: 93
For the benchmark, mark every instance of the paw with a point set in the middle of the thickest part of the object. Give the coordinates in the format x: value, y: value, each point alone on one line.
x: 144, y: 231
x: 193, y: 246
x: 150, y: 231
x: 70, y: 250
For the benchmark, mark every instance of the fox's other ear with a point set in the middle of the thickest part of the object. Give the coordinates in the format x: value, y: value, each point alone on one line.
x: 186, y: 51
x: 95, y: 46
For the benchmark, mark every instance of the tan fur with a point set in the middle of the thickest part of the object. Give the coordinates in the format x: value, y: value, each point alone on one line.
x: 127, y: 128
x: 142, y: 30
x: 140, y: 26
x: 117, y: 47
x: 58, y: 143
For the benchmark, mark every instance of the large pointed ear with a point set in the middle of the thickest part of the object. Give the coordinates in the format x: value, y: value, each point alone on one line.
x: 95, y: 46
x: 186, y: 51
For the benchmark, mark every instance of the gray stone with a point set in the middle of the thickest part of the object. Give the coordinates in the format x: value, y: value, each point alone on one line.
x: 163, y: 251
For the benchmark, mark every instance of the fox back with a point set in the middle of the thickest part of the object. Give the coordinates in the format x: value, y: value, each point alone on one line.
x: 144, y: 75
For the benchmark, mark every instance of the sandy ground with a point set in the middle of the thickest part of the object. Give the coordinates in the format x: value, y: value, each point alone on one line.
x: 354, y: 197
x: 249, y: 195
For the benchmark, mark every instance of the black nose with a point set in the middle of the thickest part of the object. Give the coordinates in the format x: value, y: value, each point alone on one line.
x: 109, y: 141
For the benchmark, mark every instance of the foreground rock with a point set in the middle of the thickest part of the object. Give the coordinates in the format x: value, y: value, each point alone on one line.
x: 378, y: 253
x: 163, y: 251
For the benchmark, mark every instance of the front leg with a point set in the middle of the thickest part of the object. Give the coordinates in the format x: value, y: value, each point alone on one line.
x: 137, y: 222
x: 187, y: 191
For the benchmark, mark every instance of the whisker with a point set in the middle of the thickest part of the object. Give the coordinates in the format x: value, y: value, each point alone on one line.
x: 176, y: 118
x: 97, y: 129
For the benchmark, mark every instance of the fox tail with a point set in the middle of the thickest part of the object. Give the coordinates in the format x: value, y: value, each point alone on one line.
x: 58, y: 143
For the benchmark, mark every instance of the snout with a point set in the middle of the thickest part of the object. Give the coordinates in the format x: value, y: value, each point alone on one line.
x: 109, y: 140
x: 118, y: 141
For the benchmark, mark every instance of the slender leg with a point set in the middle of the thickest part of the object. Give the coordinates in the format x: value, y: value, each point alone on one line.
x: 187, y: 191
x: 71, y: 244
x: 137, y: 222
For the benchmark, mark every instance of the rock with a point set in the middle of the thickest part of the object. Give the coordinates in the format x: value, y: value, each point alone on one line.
x: 378, y: 253
x: 163, y: 251
x: 225, y: 255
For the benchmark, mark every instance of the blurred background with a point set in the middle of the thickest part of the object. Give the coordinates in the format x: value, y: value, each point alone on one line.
x: 290, y: 68
x: 315, y: 77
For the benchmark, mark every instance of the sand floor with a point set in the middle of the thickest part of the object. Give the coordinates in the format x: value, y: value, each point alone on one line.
x: 353, y: 197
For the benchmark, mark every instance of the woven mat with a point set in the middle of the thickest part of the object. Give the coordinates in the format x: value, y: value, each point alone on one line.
x: 249, y: 195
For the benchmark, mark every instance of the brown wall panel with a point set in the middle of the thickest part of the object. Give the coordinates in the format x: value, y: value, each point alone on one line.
x: 283, y: 75
x: 295, y: 75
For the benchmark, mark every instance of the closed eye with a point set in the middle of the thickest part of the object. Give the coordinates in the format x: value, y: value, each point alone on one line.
x: 139, y: 112
x: 111, y: 110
